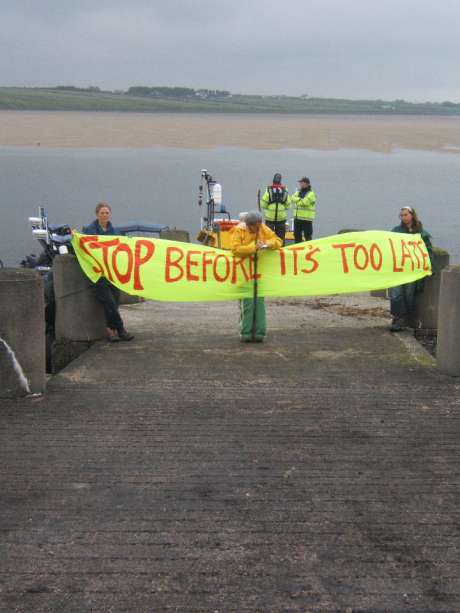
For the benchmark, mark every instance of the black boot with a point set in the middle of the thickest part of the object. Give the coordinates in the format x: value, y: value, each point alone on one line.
x: 124, y: 335
x: 398, y: 324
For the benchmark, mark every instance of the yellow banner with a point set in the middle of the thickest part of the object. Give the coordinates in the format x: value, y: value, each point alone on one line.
x: 166, y: 270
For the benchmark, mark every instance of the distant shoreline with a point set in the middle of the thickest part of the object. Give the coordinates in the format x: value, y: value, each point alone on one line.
x: 148, y: 99
x: 93, y: 129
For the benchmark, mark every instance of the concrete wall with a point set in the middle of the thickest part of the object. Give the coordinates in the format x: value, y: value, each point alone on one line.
x: 173, y: 234
x: 448, y: 346
x: 379, y: 293
x: 426, y: 316
x: 79, y: 317
x: 22, y: 333
x: 129, y: 299
x: 428, y: 300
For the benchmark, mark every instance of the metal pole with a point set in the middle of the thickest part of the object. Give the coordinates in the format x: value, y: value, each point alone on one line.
x: 254, y: 299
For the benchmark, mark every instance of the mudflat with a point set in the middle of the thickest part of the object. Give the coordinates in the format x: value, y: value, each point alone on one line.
x: 195, y: 131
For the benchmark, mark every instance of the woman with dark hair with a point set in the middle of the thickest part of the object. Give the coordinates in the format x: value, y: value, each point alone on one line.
x: 403, y: 297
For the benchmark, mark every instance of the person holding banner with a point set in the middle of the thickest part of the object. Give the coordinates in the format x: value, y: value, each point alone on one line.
x: 248, y: 239
x: 403, y: 297
x: 106, y: 293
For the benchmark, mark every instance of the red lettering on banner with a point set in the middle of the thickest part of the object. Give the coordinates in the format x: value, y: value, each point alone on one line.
x: 140, y: 261
x: 217, y: 276
x: 406, y: 254
x: 173, y: 263
x: 190, y: 263
x: 413, y: 244
x: 239, y: 263
x: 309, y: 258
x: 105, y: 246
x: 282, y: 262
x: 425, y: 256
x: 365, y: 264
x: 375, y: 248
x: 82, y: 243
x: 123, y: 248
x: 296, y: 258
x: 207, y: 262
x: 342, y: 247
x: 393, y: 253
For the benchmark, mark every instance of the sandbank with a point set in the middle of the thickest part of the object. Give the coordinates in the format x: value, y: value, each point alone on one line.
x: 196, y: 131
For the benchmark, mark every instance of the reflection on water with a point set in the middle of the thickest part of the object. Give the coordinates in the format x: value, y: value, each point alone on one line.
x: 356, y: 189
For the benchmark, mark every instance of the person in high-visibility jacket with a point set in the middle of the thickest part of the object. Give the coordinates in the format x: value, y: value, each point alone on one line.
x: 275, y: 204
x: 304, y: 210
x: 248, y: 238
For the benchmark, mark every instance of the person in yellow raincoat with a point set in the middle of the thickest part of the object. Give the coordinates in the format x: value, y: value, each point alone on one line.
x: 248, y: 238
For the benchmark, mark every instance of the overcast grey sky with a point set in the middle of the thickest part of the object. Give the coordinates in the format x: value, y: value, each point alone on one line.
x: 356, y: 49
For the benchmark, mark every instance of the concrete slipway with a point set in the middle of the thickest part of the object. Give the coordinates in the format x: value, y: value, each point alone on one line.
x: 185, y: 471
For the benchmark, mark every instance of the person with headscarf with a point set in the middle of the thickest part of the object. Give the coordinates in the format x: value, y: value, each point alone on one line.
x: 249, y: 238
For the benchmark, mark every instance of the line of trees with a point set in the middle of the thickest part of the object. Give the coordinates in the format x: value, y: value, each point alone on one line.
x: 72, y: 88
x: 307, y: 102
x: 176, y: 92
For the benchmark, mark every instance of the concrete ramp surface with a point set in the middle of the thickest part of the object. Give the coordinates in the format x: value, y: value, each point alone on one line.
x: 186, y: 471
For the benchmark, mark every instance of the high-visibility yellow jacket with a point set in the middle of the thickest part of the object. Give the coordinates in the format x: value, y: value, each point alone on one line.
x: 244, y: 242
x: 304, y: 208
x: 274, y: 211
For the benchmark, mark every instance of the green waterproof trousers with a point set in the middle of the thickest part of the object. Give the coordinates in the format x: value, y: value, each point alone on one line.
x: 246, y: 318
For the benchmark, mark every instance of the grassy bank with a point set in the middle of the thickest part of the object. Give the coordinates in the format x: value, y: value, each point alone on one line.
x: 55, y: 99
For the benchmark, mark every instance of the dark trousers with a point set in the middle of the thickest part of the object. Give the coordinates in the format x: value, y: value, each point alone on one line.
x: 302, y: 227
x: 108, y: 296
x: 403, y: 301
x: 278, y: 227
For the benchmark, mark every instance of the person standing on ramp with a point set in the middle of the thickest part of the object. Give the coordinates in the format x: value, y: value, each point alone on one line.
x: 248, y: 239
x: 275, y: 204
x: 304, y: 211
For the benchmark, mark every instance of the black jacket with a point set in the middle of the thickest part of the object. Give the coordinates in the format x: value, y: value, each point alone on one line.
x: 95, y: 228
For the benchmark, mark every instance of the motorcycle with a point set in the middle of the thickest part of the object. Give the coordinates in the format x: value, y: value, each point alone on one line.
x: 54, y: 240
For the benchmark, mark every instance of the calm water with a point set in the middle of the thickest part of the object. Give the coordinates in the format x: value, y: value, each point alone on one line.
x: 355, y: 188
